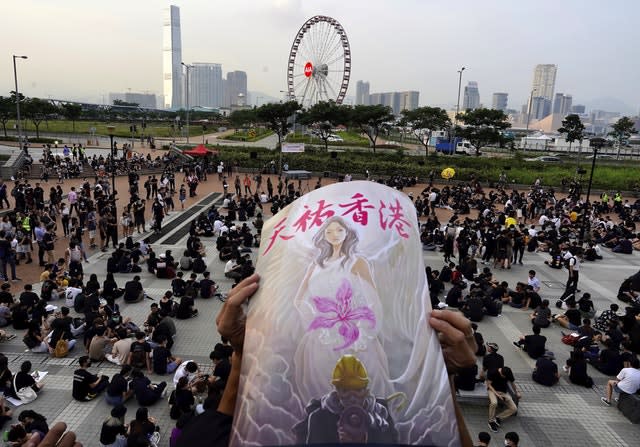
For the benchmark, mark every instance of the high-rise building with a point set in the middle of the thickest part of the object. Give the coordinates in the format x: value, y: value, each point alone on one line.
x: 398, y: 101
x: 471, y: 96
x: 544, y: 82
x: 578, y: 108
x: 500, y: 101
x: 205, y: 85
x: 235, y: 89
x: 172, y: 82
x: 562, y: 104
x: 362, y: 93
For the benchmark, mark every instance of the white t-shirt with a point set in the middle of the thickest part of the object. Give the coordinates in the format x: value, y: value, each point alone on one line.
x: 629, y: 380
x: 70, y: 294
x: 182, y: 372
x: 229, y: 265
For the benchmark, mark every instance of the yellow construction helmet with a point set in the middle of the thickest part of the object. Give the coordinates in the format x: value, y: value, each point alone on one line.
x: 350, y: 374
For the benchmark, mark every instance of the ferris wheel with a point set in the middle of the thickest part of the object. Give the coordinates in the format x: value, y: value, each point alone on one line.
x: 319, y: 62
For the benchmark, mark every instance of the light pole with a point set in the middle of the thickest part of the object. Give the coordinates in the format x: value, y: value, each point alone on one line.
x: 188, y: 67
x: 15, y: 77
x: 526, y: 135
x: 455, y: 118
x: 111, y: 129
x: 595, y: 143
x: 291, y: 97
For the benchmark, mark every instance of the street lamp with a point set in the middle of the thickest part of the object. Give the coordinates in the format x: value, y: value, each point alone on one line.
x: 455, y: 118
x: 111, y: 130
x: 595, y: 144
x: 528, y: 117
x: 188, y: 67
x: 15, y: 76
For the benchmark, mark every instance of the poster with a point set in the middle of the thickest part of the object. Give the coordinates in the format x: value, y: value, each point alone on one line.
x: 337, y: 347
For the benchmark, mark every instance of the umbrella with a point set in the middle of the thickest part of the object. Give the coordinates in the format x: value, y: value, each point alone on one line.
x: 447, y: 173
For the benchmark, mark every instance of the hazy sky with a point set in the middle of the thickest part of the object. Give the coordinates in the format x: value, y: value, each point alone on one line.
x: 86, y: 49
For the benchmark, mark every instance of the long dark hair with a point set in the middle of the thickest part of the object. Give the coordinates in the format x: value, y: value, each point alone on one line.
x: 347, y: 249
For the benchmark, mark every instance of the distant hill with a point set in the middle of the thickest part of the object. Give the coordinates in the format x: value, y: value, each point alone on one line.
x: 609, y: 104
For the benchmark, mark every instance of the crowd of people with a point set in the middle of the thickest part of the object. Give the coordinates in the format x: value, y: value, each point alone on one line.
x: 508, y: 226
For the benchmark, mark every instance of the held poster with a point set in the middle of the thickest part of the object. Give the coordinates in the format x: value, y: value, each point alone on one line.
x: 338, y: 348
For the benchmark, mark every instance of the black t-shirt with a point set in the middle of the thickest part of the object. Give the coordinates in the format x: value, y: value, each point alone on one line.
x: 222, y: 369
x: 138, y: 353
x: 546, y: 371
x: 118, y: 385
x: 109, y: 433
x: 30, y: 299
x: 132, y: 290
x: 160, y: 356
x: 205, y: 288
x: 535, y: 345
x: 534, y: 299
x: 574, y: 316
x: 498, y: 382
x: 492, y: 360
x: 216, y: 425
x: 81, y: 381
x: 5, y: 297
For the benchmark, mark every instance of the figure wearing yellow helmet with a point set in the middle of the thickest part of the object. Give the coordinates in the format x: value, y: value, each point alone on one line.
x: 349, y: 413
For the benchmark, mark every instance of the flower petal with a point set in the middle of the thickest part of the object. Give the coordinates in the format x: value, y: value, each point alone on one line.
x: 323, y: 322
x: 349, y: 333
x: 324, y: 304
x: 344, y: 294
x: 361, y: 313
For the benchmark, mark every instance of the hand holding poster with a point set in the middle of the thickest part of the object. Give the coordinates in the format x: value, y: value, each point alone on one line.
x: 338, y: 348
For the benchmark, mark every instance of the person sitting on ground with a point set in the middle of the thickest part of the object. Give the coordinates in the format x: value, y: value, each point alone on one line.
x: 481, y: 347
x: 139, y: 354
x: 546, y: 370
x: 183, y: 400
x: 208, y: 287
x: 142, y: 428
x: 178, y: 285
x: 146, y: 392
x: 114, y: 430
x: 133, y: 291
x: 576, y: 367
x: 541, y: 317
x: 586, y: 307
x: 87, y: 386
x: 163, y: 361
x: 119, y: 390
x: 121, y: 348
x: 186, y: 308
x: 571, y: 319
x: 110, y: 288
x: 608, y: 361
x: 34, y: 422
x: 533, y: 344
x: 23, y: 379
x: 100, y: 345
x: 626, y: 292
x: 602, y: 321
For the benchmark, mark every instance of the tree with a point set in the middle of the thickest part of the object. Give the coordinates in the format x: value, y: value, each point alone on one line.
x: 573, y: 127
x: 423, y: 121
x: 622, y: 130
x: 276, y: 117
x: 72, y: 112
x: 242, y: 117
x: 483, y: 126
x: 323, y: 117
x: 7, y: 108
x: 372, y: 120
x: 37, y: 110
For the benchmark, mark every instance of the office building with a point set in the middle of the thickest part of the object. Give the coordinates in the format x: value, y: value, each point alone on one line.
x: 235, y: 89
x: 539, y: 108
x: 172, y: 81
x: 578, y: 109
x: 205, y: 85
x: 471, y: 96
x: 500, y: 101
x: 562, y: 104
x: 362, y: 93
x: 398, y: 101
x: 544, y: 82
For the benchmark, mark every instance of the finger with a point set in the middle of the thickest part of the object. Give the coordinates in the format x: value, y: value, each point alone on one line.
x: 243, y: 290
x: 68, y: 440
x: 448, y: 334
x: 51, y: 439
x: 455, y: 319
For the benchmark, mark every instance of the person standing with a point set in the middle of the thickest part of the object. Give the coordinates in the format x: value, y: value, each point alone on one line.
x: 158, y: 214
x: 573, y: 264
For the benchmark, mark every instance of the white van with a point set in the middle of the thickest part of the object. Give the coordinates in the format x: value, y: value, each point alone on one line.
x: 466, y: 148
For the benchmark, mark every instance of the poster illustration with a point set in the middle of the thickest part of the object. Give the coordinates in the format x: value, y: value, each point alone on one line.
x: 337, y: 347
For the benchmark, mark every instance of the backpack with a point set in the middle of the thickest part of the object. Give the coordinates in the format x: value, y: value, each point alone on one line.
x: 138, y: 358
x: 78, y: 303
x: 62, y: 349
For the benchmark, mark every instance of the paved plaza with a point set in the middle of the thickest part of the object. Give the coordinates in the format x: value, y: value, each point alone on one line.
x: 565, y: 415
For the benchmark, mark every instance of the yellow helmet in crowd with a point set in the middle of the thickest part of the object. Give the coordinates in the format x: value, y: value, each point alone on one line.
x: 350, y: 374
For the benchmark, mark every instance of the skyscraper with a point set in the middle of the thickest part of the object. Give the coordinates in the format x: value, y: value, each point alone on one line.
x: 172, y: 80
x: 205, y: 85
x: 398, y: 101
x: 471, y: 96
x: 362, y: 93
x: 235, y: 85
x: 500, y: 101
x: 544, y: 82
x: 562, y: 104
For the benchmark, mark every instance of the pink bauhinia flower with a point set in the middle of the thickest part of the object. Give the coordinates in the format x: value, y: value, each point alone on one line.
x: 342, y: 314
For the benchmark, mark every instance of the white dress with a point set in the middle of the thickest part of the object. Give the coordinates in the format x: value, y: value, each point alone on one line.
x: 333, y: 327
